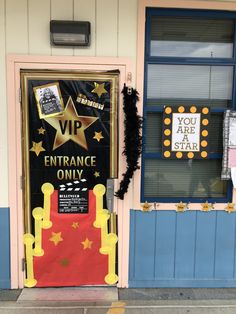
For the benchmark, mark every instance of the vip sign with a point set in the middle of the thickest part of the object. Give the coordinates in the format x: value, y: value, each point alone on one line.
x: 185, y: 132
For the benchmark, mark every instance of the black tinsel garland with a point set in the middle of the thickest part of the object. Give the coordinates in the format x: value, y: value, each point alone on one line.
x: 133, y: 140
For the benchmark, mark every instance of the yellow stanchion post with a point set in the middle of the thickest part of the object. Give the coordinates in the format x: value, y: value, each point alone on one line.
x: 108, y: 241
x: 111, y: 278
x: 47, y: 189
x: 105, y: 248
x: 99, y: 190
x: 29, y: 281
x: 38, y: 215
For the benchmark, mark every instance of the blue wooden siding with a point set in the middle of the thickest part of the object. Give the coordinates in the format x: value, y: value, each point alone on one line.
x: 4, y: 248
x: 191, y: 249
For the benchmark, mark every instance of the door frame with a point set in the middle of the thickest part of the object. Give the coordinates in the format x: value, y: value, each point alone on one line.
x: 14, y: 64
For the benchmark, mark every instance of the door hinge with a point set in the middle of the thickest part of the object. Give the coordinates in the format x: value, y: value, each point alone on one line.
x: 23, y: 264
x: 19, y: 95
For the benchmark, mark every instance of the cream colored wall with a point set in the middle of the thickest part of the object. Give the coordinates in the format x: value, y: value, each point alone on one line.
x: 24, y: 29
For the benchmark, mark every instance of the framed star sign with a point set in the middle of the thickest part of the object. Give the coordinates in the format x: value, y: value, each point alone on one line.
x: 185, y: 132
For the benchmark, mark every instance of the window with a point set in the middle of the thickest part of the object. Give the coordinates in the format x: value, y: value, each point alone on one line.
x: 189, y: 60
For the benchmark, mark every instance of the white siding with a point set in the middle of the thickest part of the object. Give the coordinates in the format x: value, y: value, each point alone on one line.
x: 39, y: 35
x: 106, y: 28
x: 86, y: 11
x: 17, y: 33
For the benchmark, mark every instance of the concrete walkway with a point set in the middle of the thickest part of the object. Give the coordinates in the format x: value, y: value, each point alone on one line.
x: 226, y: 303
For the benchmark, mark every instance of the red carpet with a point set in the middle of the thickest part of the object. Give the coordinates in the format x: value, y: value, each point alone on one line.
x: 66, y: 260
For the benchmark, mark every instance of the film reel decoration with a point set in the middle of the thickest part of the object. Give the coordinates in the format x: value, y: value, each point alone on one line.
x: 185, y: 132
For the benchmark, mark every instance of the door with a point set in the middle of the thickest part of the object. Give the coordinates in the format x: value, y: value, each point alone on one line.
x: 70, y: 151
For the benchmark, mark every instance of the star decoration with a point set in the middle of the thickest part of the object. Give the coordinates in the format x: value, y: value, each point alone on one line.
x: 96, y: 174
x: 37, y: 148
x: 70, y: 126
x: 64, y: 262
x: 99, y: 89
x: 98, y: 136
x: 180, y: 207
x: 56, y: 238
x: 75, y: 225
x: 87, y: 244
x: 206, y: 207
x: 230, y: 207
x: 146, y: 206
x: 41, y: 131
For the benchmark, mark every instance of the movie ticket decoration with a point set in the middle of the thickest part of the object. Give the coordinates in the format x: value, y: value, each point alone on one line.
x: 185, y: 132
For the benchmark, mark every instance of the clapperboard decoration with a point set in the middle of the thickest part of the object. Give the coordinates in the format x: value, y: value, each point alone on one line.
x: 73, y: 197
x: 185, y: 132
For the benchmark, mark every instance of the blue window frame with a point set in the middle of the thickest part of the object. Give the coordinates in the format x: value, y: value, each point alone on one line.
x: 197, y: 180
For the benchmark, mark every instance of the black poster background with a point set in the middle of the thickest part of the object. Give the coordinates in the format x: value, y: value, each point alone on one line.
x: 38, y: 172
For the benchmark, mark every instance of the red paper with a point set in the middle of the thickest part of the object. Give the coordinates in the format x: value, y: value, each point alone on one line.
x: 68, y: 263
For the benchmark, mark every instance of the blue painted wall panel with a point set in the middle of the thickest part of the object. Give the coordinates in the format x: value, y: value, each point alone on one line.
x: 205, y: 245
x: 165, y: 244
x: 145, y: 246
x: 4, y: 248
x: 225, y: 245
x: 185, y: 245
x: 191, y: 249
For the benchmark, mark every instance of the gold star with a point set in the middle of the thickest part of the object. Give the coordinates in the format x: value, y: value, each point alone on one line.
x: 37, y: 148
x: 96, y: 174
x: 180, y: 207
x: 87, y: 244
x: 64, y: 262
x: 56, y: 237
x: 98, y: 136
x: 99, y: 89
x: 206, y: 207
x: 230, y: 207
x: 146, y: 206
x: 41, y: 131
x: 70, y: 126
x: 75, y: 225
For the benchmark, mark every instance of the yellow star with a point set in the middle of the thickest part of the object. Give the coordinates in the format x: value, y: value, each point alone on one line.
x: 230, y: 207
x: 87, y: 244
x: 56, y: 237
x: 206, y: 207
x: 70, y: 126
x: 98, y: 136
x: 99, y: 89
x: 146, y: 206
x: 41, y: 131
x: 37, y: 148
x: 96, y: 174
x: 180, y: 207
x: 64, y: 262
x: 75, y: 225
